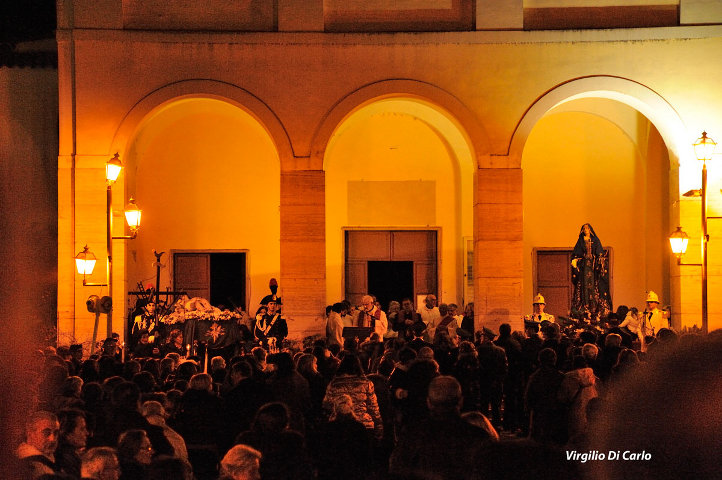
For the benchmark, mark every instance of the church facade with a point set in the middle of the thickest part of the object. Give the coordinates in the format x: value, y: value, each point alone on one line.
x: 456, y: 147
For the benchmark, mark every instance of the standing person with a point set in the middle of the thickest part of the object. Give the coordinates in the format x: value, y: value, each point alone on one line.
x: 655, y: 319
x: 372, y: 316
x: 334, y: 325
x: 513, y: 388
x: 443, y: 445
x: 590, y: 276
x: 405, y: 319
x: 271, y: 329
x: 430, y: 315
x: 492, y: 372
x: 546, y: 415
x: 273, y: 286
x: 350, y: 380
x: 466, y: 327
x: 538, y: 314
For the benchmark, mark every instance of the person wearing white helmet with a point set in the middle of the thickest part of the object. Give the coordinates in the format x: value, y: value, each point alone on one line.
x: 655, y: 319
x: 539, y: 314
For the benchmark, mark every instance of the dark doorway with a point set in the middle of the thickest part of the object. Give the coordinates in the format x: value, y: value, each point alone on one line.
x: 228, y: 280
x: 389, y: 280
x: 219, y: 277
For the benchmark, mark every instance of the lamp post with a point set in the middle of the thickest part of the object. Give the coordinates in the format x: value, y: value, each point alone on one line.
x: 703, y: 149
x: 85, y: 260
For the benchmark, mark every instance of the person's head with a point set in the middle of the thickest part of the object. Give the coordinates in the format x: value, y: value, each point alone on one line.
x: 241, y: 463
x: 444, y: 395
x: 240, y: 370
x: 134, y: 445
x: 337, y: 307
x: 175, y: 337
x: 586, y: 229
x: 42, y: 430
x: 100, y: 463
x: 271, y: 418
x: 469, y: 310
x: 504, y: 330
x: 590, y: 352
x: 218, y: 363
x: 425, y: 353
x: 547, y: 357
x: 613, y: 340
x: 367, y: 303
x: 259, y: 354
x: 73, y: 428
x: 443, y: 309
x: 307, y: 363
x: 110, y: 346
x: 342, y: 408
x: 153, y: 408
x: 418, y: 329
x: 125, y: 396
x: 430, y: 301
x: 272, y: 307
x: 144, y: 336
x: 350, y: 365
x: 201, y: 381
x: 407, y: 355
x: 394, y: 306
x: 407, y: 305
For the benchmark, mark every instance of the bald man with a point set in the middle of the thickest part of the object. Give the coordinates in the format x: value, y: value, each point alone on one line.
x: 443, y: 445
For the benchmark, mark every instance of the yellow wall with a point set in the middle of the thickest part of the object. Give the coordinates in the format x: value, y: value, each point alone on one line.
x: 206, y: 176
x: 581, y: 167
x: 404, y: 142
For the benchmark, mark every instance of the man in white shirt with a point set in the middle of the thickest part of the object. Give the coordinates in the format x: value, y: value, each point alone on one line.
x: 430, y: 316
x: 656, y: 319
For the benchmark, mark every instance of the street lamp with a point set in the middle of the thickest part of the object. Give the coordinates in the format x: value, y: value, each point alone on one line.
x: 85, y: 260
x: 703, y: 149
x: 679, y: 240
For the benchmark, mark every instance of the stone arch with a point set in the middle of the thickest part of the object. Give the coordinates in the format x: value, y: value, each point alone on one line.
x: 648, y: 102
x: 427, y: 93
x: 203, y: 88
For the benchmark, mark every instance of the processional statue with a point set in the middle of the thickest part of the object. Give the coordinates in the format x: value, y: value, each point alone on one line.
x: 590, y: 276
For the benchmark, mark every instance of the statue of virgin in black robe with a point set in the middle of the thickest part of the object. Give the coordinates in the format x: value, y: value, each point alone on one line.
x: 590, y: 276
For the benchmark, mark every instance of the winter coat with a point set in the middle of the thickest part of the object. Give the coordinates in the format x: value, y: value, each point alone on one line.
x: 365, y: 405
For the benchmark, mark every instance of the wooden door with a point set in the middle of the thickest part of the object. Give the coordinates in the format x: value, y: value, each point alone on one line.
x: 192, y: 274
x: 554, y: 281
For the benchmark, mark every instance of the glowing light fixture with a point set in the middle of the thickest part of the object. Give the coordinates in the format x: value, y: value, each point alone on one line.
x: 132, y: 215
x: 679, y: 240
x: 113, y: 168
x: 85, y: 261
x: 704, y: 147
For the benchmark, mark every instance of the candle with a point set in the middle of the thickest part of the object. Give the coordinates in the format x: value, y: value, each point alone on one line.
x: 188, y: 350
x: 122, y: 352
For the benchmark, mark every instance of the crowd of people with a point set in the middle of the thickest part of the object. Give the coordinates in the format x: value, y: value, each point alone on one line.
x: 426, y: 396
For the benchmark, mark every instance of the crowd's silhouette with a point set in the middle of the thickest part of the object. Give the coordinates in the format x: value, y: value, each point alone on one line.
x: 463, y: 403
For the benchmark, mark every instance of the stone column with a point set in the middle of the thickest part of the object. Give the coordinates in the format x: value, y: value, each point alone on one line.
x: 303, y: 251
x: 498, y: 248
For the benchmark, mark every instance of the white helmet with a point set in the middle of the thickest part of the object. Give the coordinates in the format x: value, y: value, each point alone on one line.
x: 539, y: 299
x: 652, y: 297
